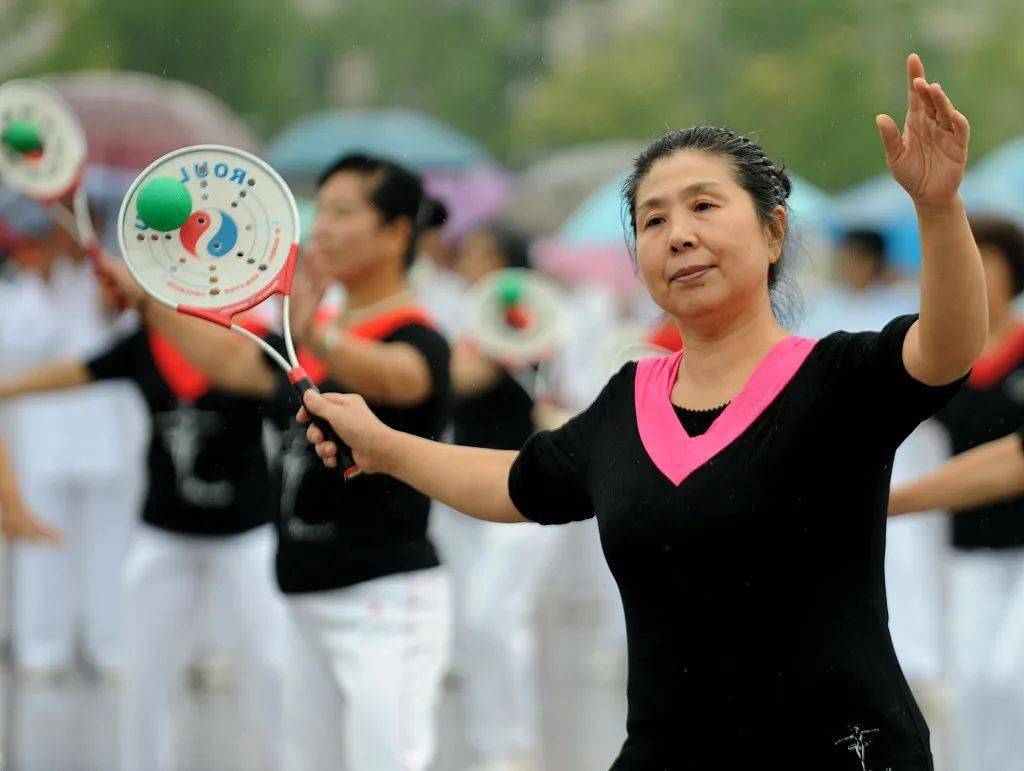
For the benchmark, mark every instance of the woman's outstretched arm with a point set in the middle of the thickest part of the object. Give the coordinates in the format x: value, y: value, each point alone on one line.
x: 57, y: 376
x: 991, y: 472
x: 469, y: 479
x: 928, y: 159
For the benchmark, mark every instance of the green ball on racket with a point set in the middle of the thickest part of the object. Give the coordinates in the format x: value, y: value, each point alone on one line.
x: 22, y: 137
x: 510, y: 291
x: 163, y: 204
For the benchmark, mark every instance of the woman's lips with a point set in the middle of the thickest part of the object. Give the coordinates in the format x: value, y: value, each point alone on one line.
x: 690, y: 273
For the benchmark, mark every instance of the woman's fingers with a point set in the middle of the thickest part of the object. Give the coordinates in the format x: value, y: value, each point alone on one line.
x: 314, y: 435
x: 892, y: 141
x: 915, y: 70
x: 945, y: 107
x: 924, y: 94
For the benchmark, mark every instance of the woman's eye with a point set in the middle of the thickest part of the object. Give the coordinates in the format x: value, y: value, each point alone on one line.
x: 653, y: 221
x: 703, y: 206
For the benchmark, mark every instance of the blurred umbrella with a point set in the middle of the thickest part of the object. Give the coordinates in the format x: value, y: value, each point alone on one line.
x: 880, y: 204
x: 305, y: 148
x: 455, y: 169
x: 995, y: 186
x: 131, y: 119
x: 548, y: 191
x: 590, y: 247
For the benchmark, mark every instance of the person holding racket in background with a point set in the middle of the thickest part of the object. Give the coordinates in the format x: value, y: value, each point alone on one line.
x: 367, y: 598
x: 74, y: 453
x: 205, y: 524
x: 497, y: 569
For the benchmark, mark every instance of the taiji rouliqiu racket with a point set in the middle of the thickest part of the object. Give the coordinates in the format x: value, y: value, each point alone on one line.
x: 212, y: 231
x: 517, y: 317
x: 42, y: 156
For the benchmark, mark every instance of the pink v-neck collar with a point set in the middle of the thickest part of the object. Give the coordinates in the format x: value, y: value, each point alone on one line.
x: 671, y: 449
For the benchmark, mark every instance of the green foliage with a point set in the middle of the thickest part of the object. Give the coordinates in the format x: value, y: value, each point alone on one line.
x: 807, y: 77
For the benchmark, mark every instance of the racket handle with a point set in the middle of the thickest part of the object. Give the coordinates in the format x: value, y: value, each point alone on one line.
x: 348, y: 466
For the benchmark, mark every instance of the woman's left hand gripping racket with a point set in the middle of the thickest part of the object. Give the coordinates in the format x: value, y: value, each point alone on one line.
x: 212, y: 231
x: 42, y: 156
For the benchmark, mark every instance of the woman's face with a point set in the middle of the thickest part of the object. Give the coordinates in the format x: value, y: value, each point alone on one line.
x: 998, y: 280
x: 700, y: 246
x: 478, y: 255
x: 349, y: 239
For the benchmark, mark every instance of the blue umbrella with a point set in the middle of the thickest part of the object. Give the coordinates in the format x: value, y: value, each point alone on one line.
x: 880, y: 204
x: 306, y: 147
x: 995, y: 186
x: 455, y: 169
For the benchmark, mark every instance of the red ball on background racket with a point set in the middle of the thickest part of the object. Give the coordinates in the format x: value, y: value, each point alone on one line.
x: 212, y: 231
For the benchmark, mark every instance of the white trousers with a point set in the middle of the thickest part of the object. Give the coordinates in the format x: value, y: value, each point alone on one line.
x: 497, y: 570
x: 988, y: 648
x: 78, y: 585
x: 364, y: 669
x: 166, y: 576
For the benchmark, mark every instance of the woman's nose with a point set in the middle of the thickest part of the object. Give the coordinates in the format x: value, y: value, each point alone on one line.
x: 682, y: 238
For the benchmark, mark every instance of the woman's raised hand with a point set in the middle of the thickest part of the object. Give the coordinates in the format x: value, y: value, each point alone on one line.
x: 928, y: 159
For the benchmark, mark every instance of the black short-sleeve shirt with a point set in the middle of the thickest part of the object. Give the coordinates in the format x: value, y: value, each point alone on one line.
x: 753, y: 588
x: 989, y: 407
x: 334, y: 533
x: 499, y: 418
x: 207, y: 468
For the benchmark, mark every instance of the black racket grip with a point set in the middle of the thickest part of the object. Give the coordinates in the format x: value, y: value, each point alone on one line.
x: 348, y: 466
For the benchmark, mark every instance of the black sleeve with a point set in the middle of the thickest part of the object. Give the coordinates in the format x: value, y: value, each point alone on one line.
x: 548, y: 481
x: 435, y: 351
x: 120, y: 359
x: 879, y: 392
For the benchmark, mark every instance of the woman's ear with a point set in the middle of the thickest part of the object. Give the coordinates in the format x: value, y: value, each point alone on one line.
x: 777, y: 231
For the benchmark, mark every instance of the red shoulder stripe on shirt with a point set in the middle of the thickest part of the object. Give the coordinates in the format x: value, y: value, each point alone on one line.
x: 374, y: 328
x: 992, y: 367
x: 185, y: 380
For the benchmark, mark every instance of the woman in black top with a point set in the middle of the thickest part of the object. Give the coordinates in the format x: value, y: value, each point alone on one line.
x: 987, y: 567
x: 368, y: 600
x: 741, y: 488
x: 205, y: 530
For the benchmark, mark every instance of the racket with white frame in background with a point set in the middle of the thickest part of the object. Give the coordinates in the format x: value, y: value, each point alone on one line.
x: 42, y: 156
x: 517, y: 317
x: 212, y: 231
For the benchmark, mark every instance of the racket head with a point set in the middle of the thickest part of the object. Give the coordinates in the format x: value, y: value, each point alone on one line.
x: 218, y: 231
x: 538, y: 300
x: 47, y: 174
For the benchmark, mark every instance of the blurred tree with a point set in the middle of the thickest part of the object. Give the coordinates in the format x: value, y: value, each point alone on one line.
x: 528, y: 76
x: 244, y: 54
